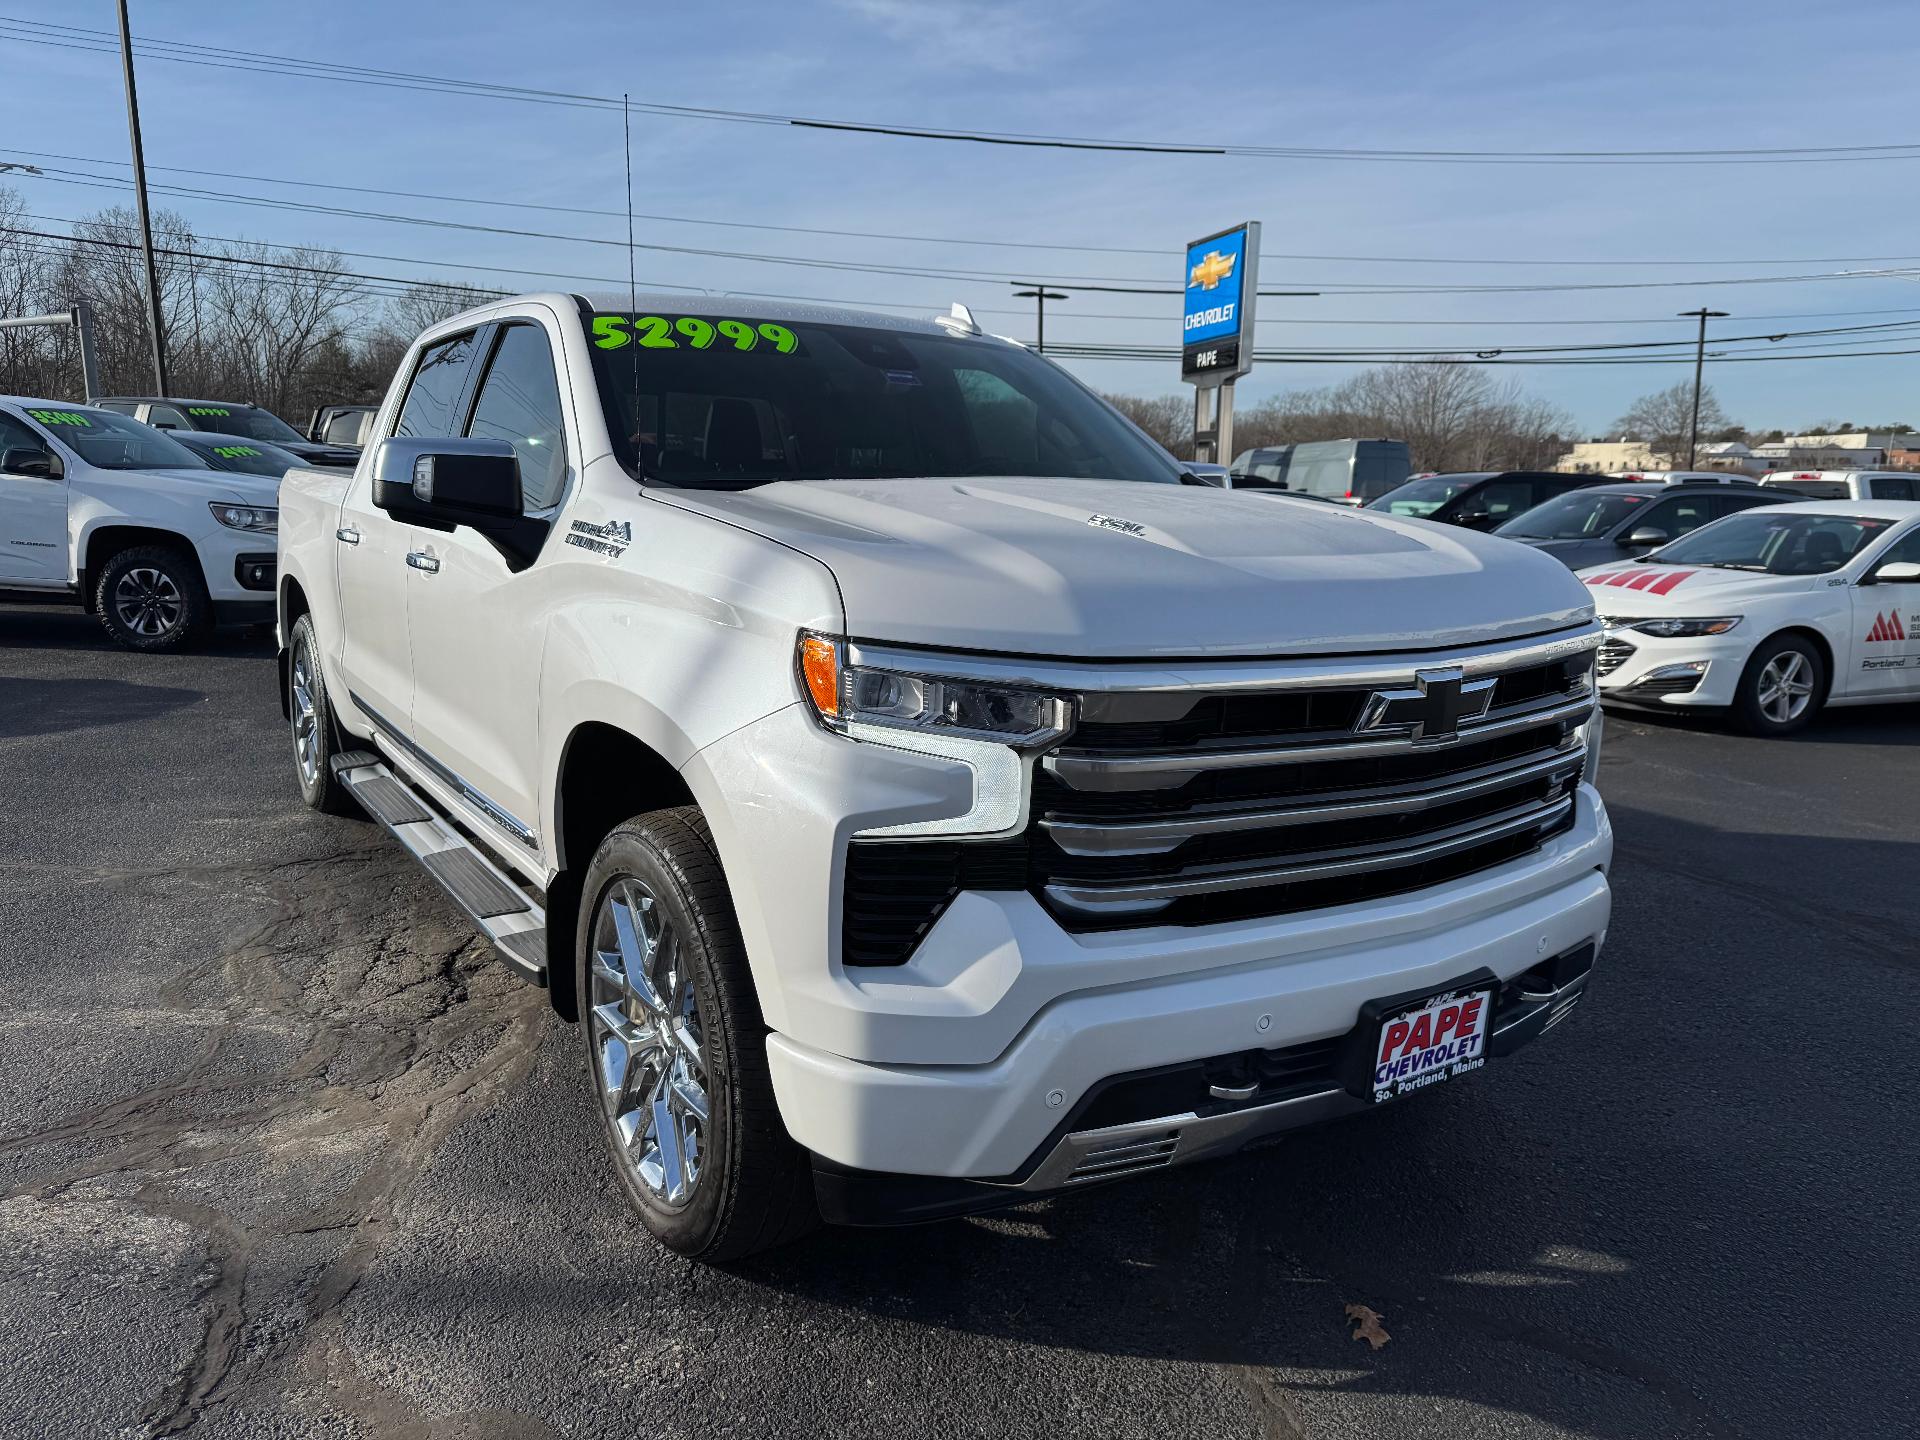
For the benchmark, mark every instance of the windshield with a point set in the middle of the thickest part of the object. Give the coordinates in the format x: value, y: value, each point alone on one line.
x: 256, y: 458
x: 108, y: 441
x: 1423, y: 497
x: 249, y: 423
x: 1766, y: 540
x: 1577, y: 515
x: 718, y: 401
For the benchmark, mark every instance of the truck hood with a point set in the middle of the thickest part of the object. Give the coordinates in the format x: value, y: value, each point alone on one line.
x: 1108, y: 569
x: 1643, y: 590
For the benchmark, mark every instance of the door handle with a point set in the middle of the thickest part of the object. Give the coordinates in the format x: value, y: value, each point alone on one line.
x: 420, y: 560
x: 347, y: 535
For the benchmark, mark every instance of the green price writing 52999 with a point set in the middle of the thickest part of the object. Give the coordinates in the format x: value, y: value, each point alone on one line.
x: 662, y: 332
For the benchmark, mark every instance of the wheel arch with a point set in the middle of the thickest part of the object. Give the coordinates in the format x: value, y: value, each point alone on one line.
x: 605, y: 775
x: 101, y: 543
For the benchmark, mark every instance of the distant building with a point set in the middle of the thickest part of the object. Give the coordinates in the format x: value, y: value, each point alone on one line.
x: 1604, y: 457
x: 1808, y: 452
x: 1903, y: 459
x: 1852, y: 440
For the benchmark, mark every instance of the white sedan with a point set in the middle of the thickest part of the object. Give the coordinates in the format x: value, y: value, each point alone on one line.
x: 1770, y: 613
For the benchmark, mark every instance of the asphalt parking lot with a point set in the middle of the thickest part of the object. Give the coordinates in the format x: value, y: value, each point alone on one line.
x: 283, y: 1152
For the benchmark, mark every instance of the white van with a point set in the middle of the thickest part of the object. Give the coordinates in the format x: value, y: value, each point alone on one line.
x: 1846, y: 484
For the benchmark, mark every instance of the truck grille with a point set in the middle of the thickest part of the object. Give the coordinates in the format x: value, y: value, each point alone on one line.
x: 1199, y: 806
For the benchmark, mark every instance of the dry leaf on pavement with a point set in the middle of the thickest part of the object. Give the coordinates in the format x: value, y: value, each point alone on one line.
x: 1369, y: 1327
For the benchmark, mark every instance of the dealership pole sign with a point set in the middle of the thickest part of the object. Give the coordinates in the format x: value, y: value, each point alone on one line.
x: 1216, y: 328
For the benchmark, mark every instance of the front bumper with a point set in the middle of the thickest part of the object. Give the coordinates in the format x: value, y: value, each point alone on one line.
x: 1265, y: 985
x: 1302, y: 1087
x: 1650, y: 672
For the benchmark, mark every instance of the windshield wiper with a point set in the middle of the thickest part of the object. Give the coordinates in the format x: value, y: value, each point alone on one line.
x: 1728, y: 565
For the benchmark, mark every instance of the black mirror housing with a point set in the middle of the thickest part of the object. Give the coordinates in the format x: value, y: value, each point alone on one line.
x: 1647, y: 537
x: 442, y: 483
x: 25, y: 460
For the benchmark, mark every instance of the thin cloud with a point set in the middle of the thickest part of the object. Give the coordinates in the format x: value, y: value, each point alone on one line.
x: 1004, y: 38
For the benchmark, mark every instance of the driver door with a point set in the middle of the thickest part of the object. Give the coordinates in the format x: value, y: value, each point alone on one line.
x: 33, y: 512
x: 1886, y: 628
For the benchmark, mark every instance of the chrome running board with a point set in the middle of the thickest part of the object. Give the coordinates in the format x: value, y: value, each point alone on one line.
x: 500, y: 907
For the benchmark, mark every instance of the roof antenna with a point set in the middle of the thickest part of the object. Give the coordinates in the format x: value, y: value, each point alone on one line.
x: 626, y: 131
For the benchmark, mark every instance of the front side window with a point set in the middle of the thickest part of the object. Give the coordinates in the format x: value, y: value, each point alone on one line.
x: 435, y: 390
x: 1501, y: 499
x: 1904, y: 551
x: 165, y: 417
x: 14, y: 435
x: 1776, y: 544
x: 1579, y: 515
x: 1679, y: 517
x: 520, y: 403
x: 721, y: 401
x: 113, y: 442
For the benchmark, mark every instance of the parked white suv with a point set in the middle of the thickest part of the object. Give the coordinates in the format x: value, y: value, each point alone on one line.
x: 135, y: 527
x: 925, y: 799
x: 1846, y: 484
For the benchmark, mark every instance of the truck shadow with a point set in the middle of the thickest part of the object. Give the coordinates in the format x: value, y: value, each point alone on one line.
x: 51, y: 707
x: 42, y: 625
x: 1893, y: 724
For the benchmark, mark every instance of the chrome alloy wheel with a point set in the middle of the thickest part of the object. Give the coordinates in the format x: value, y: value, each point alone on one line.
x: 1786, y: 687
x: 646, y: 1042
x: 147, y: 602
x: 306, y: 720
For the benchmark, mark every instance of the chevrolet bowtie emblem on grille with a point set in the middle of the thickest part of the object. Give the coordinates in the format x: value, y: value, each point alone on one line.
x: 1212, y: 269
x: 1432, y: 711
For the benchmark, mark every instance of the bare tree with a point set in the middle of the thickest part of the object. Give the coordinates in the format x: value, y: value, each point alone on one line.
x: 269, y: 314
x: 1167, y: 418
x: 414, y: 309
x: 1664, y: 419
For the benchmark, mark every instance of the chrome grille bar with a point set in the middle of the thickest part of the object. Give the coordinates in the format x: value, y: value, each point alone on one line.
x: 1157, y: 835
x: 1146, y: 896
x: 1108, y: 771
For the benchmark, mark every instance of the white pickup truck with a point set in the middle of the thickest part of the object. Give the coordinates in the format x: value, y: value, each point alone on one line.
x: 114, y: 515
x: 922, y: 795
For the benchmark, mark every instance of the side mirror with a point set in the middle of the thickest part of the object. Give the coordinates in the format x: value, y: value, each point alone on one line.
x: 455, y: 481
x: 1474, y: 519
x: 444, y: 483
x: 25, y: 460
x: 1898, y: 572
x: 1646, y: 538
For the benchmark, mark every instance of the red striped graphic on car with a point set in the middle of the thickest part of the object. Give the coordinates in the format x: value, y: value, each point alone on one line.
x: 1886, y: 627
x: 1654, y: 582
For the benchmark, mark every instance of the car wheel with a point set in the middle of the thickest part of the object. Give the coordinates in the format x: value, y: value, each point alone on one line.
x: 151, y: 597
x: 676, y: 1048
x: 1782, y: 688
x: 315, y: 736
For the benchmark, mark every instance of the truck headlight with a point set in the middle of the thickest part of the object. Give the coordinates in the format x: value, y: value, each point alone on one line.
x: 1682, y: 629
x: 845, y: 696
x: 264, y: 519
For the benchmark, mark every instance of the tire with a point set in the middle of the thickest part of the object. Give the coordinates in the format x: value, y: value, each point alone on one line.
x: 315, y: 736
x: 1782, y: 688
x: 720, y: 1179
x: 151, y: 597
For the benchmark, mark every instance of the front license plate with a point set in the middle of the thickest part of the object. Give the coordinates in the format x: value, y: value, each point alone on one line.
x: 1430, y: 1041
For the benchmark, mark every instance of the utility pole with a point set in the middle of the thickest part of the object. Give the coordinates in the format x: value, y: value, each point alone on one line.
x: 1699, y: 361
x: 1040, y: 295
x: 140, y: 197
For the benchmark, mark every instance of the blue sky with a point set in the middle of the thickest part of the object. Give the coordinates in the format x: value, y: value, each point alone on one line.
x: 1366, y: 73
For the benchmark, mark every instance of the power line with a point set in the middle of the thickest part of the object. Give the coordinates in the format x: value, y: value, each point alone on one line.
x: 1104, y: 285
x: 75, y: 37
x: 1161, y: 252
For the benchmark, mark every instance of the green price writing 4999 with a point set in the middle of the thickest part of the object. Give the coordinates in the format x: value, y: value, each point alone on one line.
x: 664, y: 332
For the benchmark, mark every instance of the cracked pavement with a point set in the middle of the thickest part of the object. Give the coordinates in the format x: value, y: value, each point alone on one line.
x: 285, y: 1152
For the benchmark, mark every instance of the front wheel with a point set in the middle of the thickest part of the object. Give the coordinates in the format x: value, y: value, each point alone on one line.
x: 151, y: 597
x: 1782, y: 688
x: 311, y: 717
x: 676, y: 1048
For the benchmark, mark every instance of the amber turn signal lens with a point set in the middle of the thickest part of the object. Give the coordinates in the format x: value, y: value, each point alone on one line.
x: 820, y: 668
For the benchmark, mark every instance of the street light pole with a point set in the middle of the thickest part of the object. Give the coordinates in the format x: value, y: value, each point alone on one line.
x: 1699, y: 363
x: 1040, y: 295
x: 140, y: 200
